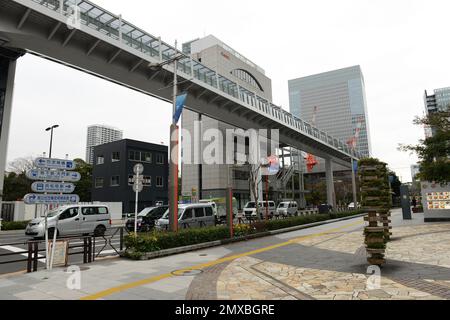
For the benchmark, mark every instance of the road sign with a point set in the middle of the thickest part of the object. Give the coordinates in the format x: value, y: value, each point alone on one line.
x: 51, y: 199
x: 53, y: 175
x: 53, y: 187
x: 138, y: 187
x: 138, y: 169
x: 55, y: 164
x: 138, y: 179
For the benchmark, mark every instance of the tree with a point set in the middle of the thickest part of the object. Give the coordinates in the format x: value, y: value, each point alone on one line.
x: 84, y: 186
x: 433, y: 152
x: 16, y: 186
x: 21, y: 165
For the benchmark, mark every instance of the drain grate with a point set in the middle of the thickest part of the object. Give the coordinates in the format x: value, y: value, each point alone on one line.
x: 186, y: 273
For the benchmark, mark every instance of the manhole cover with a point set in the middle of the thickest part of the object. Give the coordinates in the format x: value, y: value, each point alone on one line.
x: 186, y: 273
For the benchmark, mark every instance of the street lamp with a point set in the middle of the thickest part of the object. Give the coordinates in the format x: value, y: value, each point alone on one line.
x: 51, y: 137
x: 173, y: 149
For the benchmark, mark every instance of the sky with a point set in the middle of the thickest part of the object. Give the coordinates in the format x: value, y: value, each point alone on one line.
x: 402, y: 47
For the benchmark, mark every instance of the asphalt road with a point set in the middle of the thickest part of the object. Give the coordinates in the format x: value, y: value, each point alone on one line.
x: 13, y: 246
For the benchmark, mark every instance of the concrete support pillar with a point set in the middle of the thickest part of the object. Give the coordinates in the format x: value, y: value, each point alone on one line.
x: 255, y: 160
x: 7, y: 74
x: 355, y: 198
x: 331, y: 197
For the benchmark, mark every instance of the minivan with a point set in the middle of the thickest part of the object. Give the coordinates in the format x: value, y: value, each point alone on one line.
x: 250, y: 209
x: 190, y: 216
x: 72, y: 220
x: 287, y: 209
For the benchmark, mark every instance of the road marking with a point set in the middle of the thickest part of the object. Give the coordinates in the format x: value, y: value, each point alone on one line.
x: 202, y: 266
x: 16, y: 250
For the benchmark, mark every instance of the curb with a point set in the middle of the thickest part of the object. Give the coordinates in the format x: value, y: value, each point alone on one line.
x: 218, y: 243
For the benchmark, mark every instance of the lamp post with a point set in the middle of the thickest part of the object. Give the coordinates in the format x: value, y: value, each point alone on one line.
x: 51, y: 137
x: 174, y: 146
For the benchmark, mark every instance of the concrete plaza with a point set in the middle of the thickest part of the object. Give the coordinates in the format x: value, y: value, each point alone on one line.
x: 325, y: 263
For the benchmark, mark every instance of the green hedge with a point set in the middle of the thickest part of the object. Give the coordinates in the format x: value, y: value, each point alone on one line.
x: 14, y: 225
x: 156, y: 241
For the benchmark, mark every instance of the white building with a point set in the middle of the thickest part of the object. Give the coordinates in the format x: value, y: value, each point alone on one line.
x: 98, y: 135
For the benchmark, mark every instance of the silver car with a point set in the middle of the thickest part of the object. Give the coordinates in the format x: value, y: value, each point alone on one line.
x: 190, y: 216
x: 72, y: 221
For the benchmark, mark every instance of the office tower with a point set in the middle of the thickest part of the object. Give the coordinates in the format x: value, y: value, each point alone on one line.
x: 337, y: 101
x: 98, y: 135
x: 437, y: 102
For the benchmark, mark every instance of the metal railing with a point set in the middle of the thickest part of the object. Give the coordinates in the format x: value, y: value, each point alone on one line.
x: 145, y: 45
x: 85, y: 245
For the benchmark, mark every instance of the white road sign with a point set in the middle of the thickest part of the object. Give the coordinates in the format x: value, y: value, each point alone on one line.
x: 138, y: 187
x: 51, y: 199
x: 55, y: 164
x: 138, y: 169
x: 53, y: 175
x: 53, y: 187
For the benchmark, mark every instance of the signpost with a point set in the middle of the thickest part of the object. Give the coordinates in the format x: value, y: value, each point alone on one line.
x: 48, y: 199
x: 53, y: 175
x: 53, y: 185
x: 138, y: 186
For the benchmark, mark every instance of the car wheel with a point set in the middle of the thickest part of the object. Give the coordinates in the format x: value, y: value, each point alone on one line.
x: 99, y: 231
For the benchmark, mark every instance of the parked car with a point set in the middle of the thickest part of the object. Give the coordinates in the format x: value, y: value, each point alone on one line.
x: 250, y: 209
x: 190, y: 216
x: 146, y: 219
x: 72, y: 220
x: 351, y: 206
x: 287, y: 209
x: 220, y: 208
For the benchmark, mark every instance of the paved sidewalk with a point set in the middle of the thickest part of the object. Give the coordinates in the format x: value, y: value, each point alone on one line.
x: 326, y: 262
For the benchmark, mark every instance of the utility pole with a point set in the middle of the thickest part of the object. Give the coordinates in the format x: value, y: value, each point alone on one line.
x: 173, y: 155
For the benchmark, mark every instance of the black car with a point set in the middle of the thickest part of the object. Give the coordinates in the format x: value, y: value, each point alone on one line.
x: 147, y: 219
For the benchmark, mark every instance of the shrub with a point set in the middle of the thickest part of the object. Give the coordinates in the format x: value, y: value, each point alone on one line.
x: 156, y: 241
x: 14, y: 225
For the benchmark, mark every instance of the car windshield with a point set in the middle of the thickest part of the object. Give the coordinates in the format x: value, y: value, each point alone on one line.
x: 157, y: 212
x: 250, y: 205
x: 54, y: 213
x: 283, y: 205
x: 144, y: 213
x: 166, y: 215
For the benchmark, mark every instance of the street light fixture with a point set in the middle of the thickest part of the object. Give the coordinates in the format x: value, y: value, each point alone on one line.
x: 174, y: 147
x: 51, y: 137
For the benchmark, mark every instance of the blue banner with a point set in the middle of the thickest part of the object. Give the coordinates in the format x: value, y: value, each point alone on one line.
x: 181, y: 99
x: 355, y: 166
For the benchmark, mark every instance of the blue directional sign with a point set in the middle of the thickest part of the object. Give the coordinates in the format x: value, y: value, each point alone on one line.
x: 55, y: 164
x: 53, y: 175
x: 51, y: 199
x: 53, y: 187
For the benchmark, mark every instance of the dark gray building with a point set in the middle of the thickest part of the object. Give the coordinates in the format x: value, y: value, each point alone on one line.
x: 113, y: 173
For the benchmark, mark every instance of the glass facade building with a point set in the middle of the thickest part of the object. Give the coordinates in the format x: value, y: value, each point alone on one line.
x: 337, y: 101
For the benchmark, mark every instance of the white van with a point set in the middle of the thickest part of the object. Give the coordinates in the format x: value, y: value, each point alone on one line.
x: 220, y: 208
x: 287, y: 209
x: 72, y: 220
x: 190, y: 216
x: 250, y: 209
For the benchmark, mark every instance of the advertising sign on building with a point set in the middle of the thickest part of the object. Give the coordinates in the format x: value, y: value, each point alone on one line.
x: 436, y: 201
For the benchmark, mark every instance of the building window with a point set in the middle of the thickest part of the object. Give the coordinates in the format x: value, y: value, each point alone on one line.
x: 146, y: 157
x: 160, y: 159
x: 140, y: 156
x: 115, y: 181
x: 115, y: 157
x: 100, y: 160
x: 159, y: 182
x: 99, y: 182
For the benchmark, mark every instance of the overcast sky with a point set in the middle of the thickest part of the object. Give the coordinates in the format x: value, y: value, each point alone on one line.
x: 402, y: 47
